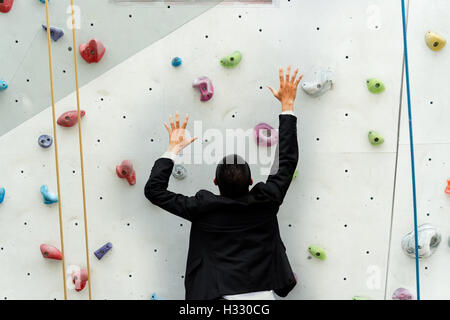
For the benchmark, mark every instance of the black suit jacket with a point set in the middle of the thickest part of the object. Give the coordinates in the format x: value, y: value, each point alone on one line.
x: 235, y: 245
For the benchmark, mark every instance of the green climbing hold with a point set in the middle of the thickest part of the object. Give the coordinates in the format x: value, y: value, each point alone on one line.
x: 375, y: 138
x: 375, y: 86
x: 360, y: 298
x: 317, y: 252
x: 231, y: 60
x: 295, y: 174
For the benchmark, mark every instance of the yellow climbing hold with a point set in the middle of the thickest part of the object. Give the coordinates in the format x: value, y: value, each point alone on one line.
x: 434, y: 41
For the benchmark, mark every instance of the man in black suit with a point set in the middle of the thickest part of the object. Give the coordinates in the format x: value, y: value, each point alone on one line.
x: 235, y: 248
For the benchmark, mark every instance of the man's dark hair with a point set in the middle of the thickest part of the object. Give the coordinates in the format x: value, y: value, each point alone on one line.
x: 233, y: 176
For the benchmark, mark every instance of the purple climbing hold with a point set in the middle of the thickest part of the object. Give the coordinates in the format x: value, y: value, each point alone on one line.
x: 99, y: 253
x: 206, y: 88
x: 403, y: 294
x: 45, y: 141
x: 55, y: 33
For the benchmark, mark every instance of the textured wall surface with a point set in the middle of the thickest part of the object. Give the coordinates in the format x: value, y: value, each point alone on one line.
x: 343, y: 198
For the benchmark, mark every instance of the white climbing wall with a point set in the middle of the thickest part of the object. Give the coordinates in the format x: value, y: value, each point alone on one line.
x: 342, y: 199
x: 430, y: 102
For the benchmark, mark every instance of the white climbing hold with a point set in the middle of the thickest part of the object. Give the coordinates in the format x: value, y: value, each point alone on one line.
x: 322, y: 83
x: 428, y: 240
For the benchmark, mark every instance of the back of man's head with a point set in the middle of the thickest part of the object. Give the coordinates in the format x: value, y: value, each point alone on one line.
x: 233, y: 176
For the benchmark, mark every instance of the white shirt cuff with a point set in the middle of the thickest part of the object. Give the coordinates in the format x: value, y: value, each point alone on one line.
x: 169, y: 155
x: 288, y: 112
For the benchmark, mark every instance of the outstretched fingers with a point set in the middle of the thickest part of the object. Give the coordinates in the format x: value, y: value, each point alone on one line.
x: 168, y: 129
x: 177, y: 120
x: 274, y: 92
x: 288, y: 73
x: 185, y: 122
x: 281, y: 77
x: 171, y: 122
x: 294, y: 76
x: 298, y: 80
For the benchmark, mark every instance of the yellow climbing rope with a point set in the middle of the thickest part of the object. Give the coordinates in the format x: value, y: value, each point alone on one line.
x: 61, y: 233
x: 81, y: 148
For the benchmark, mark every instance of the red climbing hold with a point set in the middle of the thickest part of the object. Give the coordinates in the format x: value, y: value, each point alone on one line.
x: 6, y: 5
x: 50, y: 252
x: 79, y: 279
x: 92, y: 51
x: 70, y: 118
x: 447, y: 190
x: 125, y: 170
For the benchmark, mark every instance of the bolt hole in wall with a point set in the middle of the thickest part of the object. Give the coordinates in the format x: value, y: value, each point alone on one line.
x: 369, y: 106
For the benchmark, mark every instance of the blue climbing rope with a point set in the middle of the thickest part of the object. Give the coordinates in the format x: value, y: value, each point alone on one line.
x: 411, y: 145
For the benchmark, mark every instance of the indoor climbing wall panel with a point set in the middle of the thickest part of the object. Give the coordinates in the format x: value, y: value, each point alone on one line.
x: 341, y: 200
x: 124, y: 29
x: 430, y: 109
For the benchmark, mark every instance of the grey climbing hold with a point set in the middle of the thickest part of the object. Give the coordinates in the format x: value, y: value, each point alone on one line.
x: 428, y: 240
x: 322, y: 83
x: 55, y: 33
x: 179, y: 172
x: 99, y: 253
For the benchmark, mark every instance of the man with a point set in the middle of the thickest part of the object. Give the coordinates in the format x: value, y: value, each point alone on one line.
x: 235, y: 248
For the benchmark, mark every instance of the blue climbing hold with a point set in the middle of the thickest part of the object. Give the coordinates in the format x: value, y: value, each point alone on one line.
x: 2, y: 194
x: 48, y: 197
x: 55, y: 33
x: 45, y: 141
x: 43, y: 1
x: 155, y: 297
x: 3, y: 85
x: 176, y: 62
x: 99, y: 253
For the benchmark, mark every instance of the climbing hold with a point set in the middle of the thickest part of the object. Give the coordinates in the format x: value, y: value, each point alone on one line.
x: 360, y: 298
x: 295, y: 174
x: 265, y: 135
x: 403, y: 294
x: 434, y: 41
x: 80, y: 278
x: 317, y: 252
x: 231, y: 60
x: 99, y: 253
x: 92, y: 51
x: 179, y: 172
x: 2, y: 194
x: 70, y: 118
x: 447, y: 189
x: 3, y: 85
x: 322, y: 83
x: 125, y: 170
x: 375, y: 85
x: 45, y: 141
x: 43, y: 1
x: 48, y: 196
x: 155, y: 297
x: 6, y: 5
x: 176, y: 62
x: 206, y: 88
x: 428, y: 240
x: 375, y: 138
x: 50, y: 252
x: 55, y: 33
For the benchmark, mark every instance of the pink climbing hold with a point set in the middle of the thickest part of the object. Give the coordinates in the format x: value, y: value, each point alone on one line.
x: 79, y: 279
x: 70, y: 118
x: 125, y: 170
x: 92, y: 51
x: 403, y: 294
x: 50, y: 252
x: 265, y: 135
x: 206, y: 88
x: 6, y: 5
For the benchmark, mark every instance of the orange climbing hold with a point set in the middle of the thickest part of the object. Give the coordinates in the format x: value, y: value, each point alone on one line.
x: 447, y: 190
